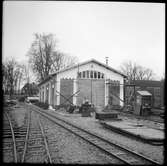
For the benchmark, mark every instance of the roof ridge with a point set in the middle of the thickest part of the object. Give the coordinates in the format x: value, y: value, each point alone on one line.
x: 82, y: 63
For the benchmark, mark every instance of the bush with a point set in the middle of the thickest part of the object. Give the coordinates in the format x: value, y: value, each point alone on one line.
x: 22, y: 99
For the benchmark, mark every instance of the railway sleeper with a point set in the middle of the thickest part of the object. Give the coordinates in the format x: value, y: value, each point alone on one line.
x: 35, y: 153
x: 6, y: 134
x: 18, y: 132
x: 7, y: 148
x: 33, y: 140
x: 35, y: 134
x: 35, y: 146
x: 8, y: 143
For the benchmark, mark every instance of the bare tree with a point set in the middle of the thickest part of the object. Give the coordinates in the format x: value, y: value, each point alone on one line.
x: 62, y: 61
x: 136, y: 72
x: 12, y: 76
x: 9, y: 75
x: 20, y: 76
x: 43, y: 58
x: 5, y: 77
x: 40, y: 54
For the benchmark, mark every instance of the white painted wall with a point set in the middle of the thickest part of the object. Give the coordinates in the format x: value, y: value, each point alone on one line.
x: 72, y: 73
x: 75, y: 88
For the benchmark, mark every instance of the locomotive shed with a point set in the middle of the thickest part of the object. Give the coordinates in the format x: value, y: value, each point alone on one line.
x: 85, y: 81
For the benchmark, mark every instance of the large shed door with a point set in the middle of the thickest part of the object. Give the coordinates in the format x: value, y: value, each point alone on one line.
x: 92, y: 90
x: 66, y: 91
x: 114, y: 93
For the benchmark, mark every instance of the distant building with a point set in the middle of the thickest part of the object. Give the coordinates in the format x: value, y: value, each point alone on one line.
x: 30, y: 89
x: 90, y: 81
x: 156, y: 88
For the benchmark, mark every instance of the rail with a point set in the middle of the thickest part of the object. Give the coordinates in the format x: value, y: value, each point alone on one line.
x: 98, y: 141
x: 20, y: 157
x: 13, y: 137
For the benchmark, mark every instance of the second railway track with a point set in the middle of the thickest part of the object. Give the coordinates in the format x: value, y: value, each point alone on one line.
x: 27, y: 143
x: 36, y: 147
x: 124, y: 155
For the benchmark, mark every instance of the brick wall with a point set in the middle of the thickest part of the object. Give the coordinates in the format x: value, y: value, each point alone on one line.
x: 66, y: 89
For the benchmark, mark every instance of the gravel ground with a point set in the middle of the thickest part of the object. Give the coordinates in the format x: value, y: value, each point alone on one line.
x: 90, y: 123
x: 148, y: 123
x: 67, y: 148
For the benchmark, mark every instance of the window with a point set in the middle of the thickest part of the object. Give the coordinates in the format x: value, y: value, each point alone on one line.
x: 90, y: 74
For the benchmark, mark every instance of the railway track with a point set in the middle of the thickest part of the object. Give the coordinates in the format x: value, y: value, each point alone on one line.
x: 124, y: 155
x: 26, y: 144
x: 9, y: 142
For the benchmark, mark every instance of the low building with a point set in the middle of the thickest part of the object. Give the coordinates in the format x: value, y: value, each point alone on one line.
x: 90, y: 81
x: 156, y: 88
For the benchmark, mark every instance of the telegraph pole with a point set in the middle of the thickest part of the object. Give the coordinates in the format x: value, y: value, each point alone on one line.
x: 91, y: 82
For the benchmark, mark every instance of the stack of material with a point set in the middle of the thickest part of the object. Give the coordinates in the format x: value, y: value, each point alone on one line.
x: 106, y: 115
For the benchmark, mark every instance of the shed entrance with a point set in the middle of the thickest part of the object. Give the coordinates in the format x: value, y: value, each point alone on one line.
x: 92, y: 90
x: 114, y: 92
x: 66, y: 91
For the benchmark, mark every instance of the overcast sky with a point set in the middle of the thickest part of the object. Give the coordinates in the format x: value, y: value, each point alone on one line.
x: 122, y: 31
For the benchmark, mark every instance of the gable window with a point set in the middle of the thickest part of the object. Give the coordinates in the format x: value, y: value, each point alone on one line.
x: 91, y: 74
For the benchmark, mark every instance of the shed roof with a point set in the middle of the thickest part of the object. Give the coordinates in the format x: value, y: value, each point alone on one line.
x: 80, y: 64
x: 144, y: 93
x: 95, y: 61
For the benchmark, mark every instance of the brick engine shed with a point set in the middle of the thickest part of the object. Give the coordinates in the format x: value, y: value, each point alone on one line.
x: 91, y: 80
